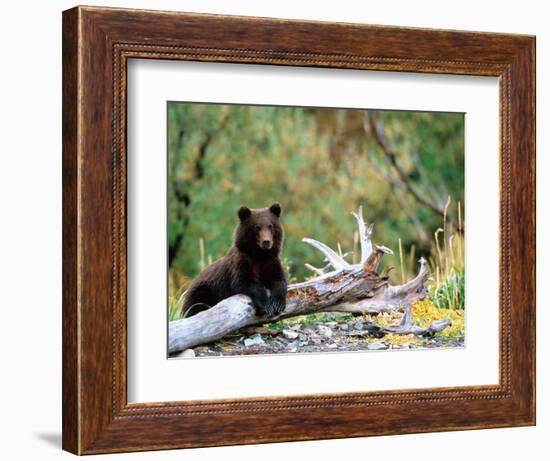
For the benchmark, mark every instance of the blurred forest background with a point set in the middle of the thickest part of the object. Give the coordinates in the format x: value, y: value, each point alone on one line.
x: 405, y: 168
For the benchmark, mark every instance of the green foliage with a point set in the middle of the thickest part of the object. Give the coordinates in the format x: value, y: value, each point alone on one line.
x: 450, y: 294
x: 320, y: 164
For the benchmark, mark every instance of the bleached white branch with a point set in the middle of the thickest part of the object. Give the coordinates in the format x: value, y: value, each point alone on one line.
x: 314, y: 269
x: 364, y: 235
x: 415, y: 284
x: 334, y: 259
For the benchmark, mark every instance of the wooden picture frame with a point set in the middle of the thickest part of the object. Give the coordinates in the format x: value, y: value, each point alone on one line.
x: 97, y: 43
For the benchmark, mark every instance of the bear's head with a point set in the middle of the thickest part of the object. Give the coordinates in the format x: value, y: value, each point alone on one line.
x: 259, y: 231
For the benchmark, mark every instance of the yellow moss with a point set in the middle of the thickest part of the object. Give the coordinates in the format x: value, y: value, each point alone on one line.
x: 425, y: 312
x: 397, y: 340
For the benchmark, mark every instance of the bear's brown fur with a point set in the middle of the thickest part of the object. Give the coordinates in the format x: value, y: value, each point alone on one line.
x: 251, y: 266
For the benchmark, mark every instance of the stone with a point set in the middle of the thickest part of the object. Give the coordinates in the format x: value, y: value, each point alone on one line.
x: 290, y: 334
x: 291, y: 347
x: 324, y: 331
x: 316, y: 339
x: 186, y: 354
x: 376, y: 346
x: 255, y: 340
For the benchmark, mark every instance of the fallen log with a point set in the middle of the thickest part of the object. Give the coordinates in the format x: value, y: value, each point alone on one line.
x: 356, y: 288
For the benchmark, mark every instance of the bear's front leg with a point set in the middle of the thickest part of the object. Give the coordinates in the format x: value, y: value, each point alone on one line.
x: 259, y: 296
x: 277, y: 302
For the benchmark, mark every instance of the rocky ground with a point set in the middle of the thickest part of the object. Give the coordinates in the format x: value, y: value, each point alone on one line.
x: 329, y: 332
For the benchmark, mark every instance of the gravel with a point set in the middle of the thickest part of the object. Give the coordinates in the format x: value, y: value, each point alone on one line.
x: 343, y: 336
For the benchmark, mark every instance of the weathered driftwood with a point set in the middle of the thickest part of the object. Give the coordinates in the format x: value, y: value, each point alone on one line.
x: 356, y: 288
x: 407, y: 327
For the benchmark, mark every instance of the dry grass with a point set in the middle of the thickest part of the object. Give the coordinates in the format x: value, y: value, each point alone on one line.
x: 446, y: 262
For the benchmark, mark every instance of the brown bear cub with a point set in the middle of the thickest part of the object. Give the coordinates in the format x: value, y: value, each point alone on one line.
x: 250, y: 267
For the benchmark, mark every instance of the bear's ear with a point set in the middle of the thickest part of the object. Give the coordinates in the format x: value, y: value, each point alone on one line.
x: 244, y: 213
x: 276, y: 209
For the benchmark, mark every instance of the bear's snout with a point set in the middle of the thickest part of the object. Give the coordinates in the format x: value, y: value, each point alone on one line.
x: 265, y: 239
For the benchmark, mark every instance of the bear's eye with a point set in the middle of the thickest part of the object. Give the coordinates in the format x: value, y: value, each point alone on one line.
x: 257, y: 228
x: 270, y: 226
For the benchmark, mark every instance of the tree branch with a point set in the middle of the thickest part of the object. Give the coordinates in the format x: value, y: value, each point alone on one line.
x: 375, y: 127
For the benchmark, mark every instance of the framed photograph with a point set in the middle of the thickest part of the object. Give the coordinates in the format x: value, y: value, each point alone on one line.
x: 284, y: 230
